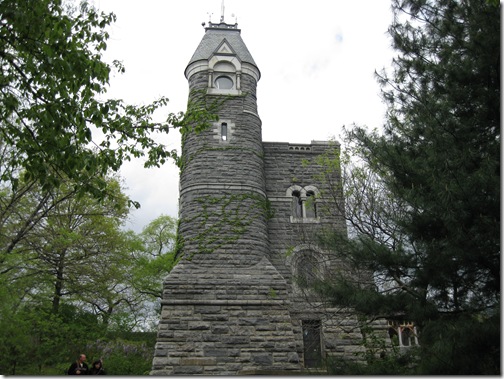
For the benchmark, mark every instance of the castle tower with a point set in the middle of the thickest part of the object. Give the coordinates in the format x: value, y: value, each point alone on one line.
x: 240, y: 300
x: 225, y: 307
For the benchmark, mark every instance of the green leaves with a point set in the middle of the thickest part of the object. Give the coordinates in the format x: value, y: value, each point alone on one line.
x: 53, y: 111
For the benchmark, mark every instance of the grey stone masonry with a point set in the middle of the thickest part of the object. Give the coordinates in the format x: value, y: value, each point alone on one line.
x: 224, y: 320
x: 288, y: 165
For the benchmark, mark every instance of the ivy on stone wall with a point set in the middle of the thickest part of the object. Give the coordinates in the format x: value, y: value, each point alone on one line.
x: 222, y: 220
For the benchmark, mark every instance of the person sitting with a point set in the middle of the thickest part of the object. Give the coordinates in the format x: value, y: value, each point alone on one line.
x: 79, y: 367
x: 97, y: 368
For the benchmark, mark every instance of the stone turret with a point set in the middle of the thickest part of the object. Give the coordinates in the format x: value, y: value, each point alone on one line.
x: 225, y: 306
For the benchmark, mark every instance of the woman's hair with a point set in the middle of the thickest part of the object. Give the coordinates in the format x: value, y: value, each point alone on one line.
x: 95, y: 362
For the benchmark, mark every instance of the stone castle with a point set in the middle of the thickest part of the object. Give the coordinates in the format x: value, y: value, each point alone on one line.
x: 238, y: 301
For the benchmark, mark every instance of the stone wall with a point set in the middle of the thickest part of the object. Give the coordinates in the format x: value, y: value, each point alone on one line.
x: 288, y: 165
x: 225, y: 338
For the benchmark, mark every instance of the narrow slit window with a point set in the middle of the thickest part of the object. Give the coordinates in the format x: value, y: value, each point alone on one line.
x: 224, y: 131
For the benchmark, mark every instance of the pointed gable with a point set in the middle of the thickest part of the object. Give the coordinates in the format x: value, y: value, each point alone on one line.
x: 224, y: 48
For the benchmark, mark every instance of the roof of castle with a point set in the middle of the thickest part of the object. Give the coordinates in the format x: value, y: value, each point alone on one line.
x: 215, y: 35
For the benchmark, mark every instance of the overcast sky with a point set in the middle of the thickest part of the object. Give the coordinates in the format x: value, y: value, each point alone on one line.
x: 317, y: 60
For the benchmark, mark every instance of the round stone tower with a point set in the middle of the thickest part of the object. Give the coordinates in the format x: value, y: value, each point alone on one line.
x: 223, y: 206
x: 225, y: 307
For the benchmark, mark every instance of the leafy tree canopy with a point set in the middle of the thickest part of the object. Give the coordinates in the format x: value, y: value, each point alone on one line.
x: 52, y: 111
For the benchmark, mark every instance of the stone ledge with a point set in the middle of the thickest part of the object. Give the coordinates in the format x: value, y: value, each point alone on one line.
x: 222, y: 302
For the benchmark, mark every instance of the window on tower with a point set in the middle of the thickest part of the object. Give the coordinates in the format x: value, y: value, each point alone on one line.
x: 224, y: 76
x: 224, y: 82
x: 224, y: 131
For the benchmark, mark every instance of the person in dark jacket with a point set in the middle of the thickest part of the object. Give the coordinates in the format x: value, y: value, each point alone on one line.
x: 79, y: 367
x: 97, y: 368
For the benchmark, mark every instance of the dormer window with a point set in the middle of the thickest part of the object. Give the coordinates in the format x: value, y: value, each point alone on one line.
x: 224, y: 76
x: 224, y: 82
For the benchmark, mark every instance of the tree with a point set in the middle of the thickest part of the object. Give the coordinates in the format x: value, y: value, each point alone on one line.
x: 432, y: 235
x: 52, y: 111
x: 67, y: 234
x: 152, y: 259
x: 79, y: 255
x: 72, y: 278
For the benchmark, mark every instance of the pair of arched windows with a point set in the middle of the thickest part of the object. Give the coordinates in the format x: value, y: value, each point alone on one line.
x: 303, y: 203
x: 304, y: 206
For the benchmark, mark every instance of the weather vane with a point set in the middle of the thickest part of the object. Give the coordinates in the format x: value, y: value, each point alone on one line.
x: 221, y: 17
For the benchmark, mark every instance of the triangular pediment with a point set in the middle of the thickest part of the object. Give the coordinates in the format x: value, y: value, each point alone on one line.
x: 224, y: 48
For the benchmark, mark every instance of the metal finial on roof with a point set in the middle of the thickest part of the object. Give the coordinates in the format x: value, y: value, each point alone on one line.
x: 222, y: 12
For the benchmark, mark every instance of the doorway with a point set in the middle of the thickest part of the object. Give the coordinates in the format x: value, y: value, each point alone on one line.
x: 312, y: 346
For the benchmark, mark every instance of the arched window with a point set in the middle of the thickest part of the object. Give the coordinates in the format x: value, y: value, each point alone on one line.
x: 224, y: 82
x: 307, y: 269
x: 392, y: 332
x: 310, y: 205
x: 408, y: 336
x: 297, y: 205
